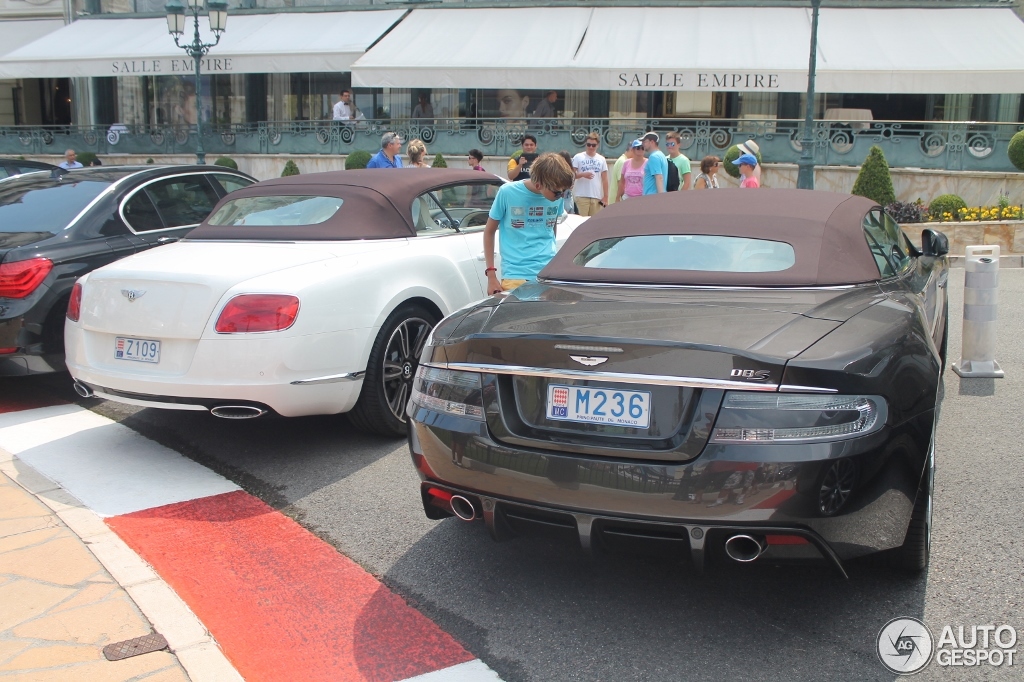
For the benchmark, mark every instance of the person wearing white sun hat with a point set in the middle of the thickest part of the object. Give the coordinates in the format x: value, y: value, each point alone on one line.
x: 750, y: 147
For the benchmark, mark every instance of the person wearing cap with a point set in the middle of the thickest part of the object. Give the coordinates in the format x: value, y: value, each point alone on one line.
x: 631, y: 181
x: 747, y: 164
x: 546, y: 108
x: 656, y: 169
x: 750, y: 147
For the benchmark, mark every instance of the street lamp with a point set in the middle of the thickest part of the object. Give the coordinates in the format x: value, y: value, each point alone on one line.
x: 805, y: 175
x: 177, y: 15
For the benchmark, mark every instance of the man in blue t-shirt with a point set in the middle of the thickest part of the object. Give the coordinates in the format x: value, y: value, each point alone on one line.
x: 389, y: 155
x: 525, y: 214
x: 656, y: 169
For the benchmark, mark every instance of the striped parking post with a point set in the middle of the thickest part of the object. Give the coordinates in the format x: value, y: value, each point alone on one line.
x: 981, y: 290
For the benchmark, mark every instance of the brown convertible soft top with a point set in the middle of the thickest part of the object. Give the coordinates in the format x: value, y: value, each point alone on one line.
x: 377, y: 203
x: 825, y: 230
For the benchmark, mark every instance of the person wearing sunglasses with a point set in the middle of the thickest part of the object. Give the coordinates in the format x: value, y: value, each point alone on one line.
x: 673, y: 145
x: 591, y: 169
x: 708, y: 176
x: 525, y: 214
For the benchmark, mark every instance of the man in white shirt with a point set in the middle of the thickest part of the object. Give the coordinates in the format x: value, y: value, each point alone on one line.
x: 69, y: 161
x: 343, y: 110
x: 591, y: 170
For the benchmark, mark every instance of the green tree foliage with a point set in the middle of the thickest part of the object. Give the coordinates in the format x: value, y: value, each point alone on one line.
x: 150, y: 161
x: 946, y: 203
x: 86, y: 158
x: 226, y: 162
x: 290, y: 169
x: 1016, y: 150
x: 439, y: 162
x: 357, y: 159
x: 874, y: 181
x: 731, y: 155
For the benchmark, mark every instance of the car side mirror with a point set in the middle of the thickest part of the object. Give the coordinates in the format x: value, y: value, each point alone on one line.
x: 934, y: 243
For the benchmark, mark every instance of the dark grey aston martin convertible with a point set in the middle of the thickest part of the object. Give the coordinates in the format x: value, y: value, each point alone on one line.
x: 741, y: 374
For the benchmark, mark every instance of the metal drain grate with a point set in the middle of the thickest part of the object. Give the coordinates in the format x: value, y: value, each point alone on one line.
x: 135, y: 647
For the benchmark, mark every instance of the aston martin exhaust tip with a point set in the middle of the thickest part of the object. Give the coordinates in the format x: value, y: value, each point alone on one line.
x: 744, y: 548
x: 237, y: 412
x: 463, y: 508
x: 83, y: 390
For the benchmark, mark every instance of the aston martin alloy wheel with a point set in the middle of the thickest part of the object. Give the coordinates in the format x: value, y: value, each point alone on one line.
x: 391, y: 371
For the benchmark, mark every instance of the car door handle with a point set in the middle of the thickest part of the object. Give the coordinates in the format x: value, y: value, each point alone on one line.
x: 166, y: 240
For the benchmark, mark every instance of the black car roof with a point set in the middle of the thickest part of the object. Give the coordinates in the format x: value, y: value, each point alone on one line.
x: 111, y: 174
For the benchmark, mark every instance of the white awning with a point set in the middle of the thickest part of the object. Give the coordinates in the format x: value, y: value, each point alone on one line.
x: 253, y: 43
x: 14, y: 34
x: 752, y: 49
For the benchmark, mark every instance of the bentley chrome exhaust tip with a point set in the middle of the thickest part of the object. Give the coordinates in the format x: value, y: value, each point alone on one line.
x: 237, y: 412
x: 744, y: 548
x: 463, y: 508
x: 82, y: 390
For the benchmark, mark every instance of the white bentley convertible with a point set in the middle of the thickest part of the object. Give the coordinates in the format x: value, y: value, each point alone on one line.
x: 302, y: 295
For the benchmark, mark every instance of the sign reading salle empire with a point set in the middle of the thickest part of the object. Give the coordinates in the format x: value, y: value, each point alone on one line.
x: 709, y: 80
x: 141, y: 67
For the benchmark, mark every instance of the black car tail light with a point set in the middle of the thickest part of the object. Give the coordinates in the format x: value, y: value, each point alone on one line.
x: 796, y: 418
x: 21, y: 278
x: 449, y: 392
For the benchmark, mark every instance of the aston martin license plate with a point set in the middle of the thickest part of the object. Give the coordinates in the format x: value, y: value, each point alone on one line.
x: 599, y: 405
x: 139, y: 350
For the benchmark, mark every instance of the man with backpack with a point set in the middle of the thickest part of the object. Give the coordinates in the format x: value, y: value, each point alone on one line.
x: 680, y: 179
x: 656, y: 170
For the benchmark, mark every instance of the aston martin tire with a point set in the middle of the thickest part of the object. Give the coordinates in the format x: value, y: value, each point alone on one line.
x: 391, y: 370
x: 912, y: 556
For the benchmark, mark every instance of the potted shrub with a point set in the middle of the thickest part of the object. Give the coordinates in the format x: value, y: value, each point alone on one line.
x: 226, y: 162
x: 357, y: 159
x: 1016, y: 150
x: 439, y: 162
x: 873, y: 180
x: 290, y: 169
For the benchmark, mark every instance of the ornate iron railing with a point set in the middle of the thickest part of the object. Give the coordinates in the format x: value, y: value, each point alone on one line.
x: 962, y: 145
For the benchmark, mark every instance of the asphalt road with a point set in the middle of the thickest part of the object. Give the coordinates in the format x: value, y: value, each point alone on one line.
x: 538, y: 610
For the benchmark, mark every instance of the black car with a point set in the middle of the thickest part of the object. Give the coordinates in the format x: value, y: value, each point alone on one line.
x: 732, y: 373
x: 12, y: 167
x: 56, y: 226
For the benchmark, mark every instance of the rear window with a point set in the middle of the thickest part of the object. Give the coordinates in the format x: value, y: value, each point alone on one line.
x: 707, y: 253
x: 40, y: 206
x: 282, y: 210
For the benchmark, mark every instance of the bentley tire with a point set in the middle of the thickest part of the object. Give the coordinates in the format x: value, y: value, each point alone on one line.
x: 391, y: 371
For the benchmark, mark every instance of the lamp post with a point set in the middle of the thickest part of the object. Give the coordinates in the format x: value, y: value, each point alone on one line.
x: 177, y: 16
x: 805, y: 175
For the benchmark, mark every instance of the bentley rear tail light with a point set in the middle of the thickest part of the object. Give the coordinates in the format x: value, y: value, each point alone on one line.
x: 75, y: 303
x: 21, y: 278
x: 248, y: 313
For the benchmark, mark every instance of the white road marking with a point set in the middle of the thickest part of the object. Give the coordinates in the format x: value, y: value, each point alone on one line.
x: 110, y: 468
x: 470, y: 671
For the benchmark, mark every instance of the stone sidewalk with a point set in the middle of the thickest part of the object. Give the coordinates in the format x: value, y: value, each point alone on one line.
x: 59, y: 607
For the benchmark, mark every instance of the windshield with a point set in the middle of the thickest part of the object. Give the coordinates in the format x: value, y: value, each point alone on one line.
x: 708, y: 253
x: 281, y: 210
x: 44, y: 206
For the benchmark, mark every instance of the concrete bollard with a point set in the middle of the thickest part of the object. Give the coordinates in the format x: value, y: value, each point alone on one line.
x: 981, y: 290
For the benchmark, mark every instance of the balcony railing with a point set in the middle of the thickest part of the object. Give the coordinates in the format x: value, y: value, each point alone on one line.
x: 963, y: 145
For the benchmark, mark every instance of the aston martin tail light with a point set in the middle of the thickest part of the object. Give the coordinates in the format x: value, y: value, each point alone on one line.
x: 248, y: 313
x: 795, y: 418
x: 75, y: 303
x: 449, y: 392
x: 21, y: 278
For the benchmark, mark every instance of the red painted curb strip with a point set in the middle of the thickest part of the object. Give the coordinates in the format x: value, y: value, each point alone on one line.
x: 283, y: 604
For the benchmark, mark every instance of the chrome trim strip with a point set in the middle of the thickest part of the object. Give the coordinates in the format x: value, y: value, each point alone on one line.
x: 330, y: 379
x: 793, y: 388
x: 136, y: 190
x: 149, y: 403
x: 615, y: 377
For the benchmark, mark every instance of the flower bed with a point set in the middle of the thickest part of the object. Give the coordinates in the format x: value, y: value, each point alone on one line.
x: 1007, y: 234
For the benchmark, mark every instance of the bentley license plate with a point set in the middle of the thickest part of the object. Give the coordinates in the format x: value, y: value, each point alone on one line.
x: 139, y: 350
x: 599, y: 405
